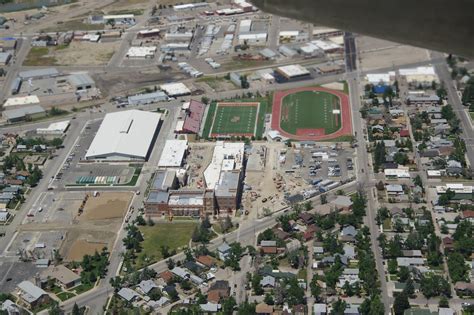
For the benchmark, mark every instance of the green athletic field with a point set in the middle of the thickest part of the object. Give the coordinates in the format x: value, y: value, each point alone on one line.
x: 234, y: 120
x: 310, y: 110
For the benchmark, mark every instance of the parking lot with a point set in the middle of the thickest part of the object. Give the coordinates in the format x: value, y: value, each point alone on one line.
x: 75, y: 168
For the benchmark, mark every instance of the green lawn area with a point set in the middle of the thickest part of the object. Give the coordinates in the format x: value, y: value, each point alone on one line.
x: 387, y: 224
x: 127, y: 11
x: 246, y: 117
x: 63, y: 296
x: 213, y: 82
x: 243, y: 64
x: 38, y: 56
x: 236, y: 120
x: 176, y: 235
x: 310, y: 110
x: 472, y: 116
x: 83, y: 288
x: 302, y: 273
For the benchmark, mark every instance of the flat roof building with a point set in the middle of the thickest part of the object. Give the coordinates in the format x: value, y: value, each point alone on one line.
x: 39, y: 73
x: 143, y: 52
x: 81, y: 81
x: 194, y: 116
x: 124, y: 136
x: 173, y: 153
x: 5, y: 58
x: 24, y: 113
x: 291, y: 73
x: 147, y: 98
x: 57, y: 128
x: 227, y: 156
x: 175, y: 89
x: 21, y: 101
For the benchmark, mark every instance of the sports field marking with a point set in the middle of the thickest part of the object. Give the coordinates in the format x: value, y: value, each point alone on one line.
x: 235, y: 119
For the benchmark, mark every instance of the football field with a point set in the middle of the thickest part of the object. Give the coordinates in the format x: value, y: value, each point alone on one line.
x: 314, y: 113
x: 235, y: 119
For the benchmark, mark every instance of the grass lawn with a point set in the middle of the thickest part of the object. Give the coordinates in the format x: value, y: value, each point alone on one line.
x: 83, y: 288
x: 310, y: 110
x: 63, y: 296
x: 127, y: 11
x: 213, y: 82
x: 472, y: 116
x: 243, y: 64
x: 387, y: 224
x: 176, y: 235
x: 237, y: 119
x: 302, y: 274
x: 38, y: 56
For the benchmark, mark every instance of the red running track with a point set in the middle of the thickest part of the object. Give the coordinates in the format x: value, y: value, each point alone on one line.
x: 346, y: 128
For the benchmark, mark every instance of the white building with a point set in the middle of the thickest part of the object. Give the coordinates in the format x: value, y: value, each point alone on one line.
x: 57, y: 128
x: 146, y: 52
x: 175, y: 89
x: 125, y: 136
x: 420, y: 75
x: 22, y: 101
x: 400, y: 172
x: 253, y: 38
x: 227, y: 157
x: 173, y: 153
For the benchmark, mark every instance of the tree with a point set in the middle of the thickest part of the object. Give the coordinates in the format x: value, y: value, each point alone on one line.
x: 443, y: 302
x: 268, y: 299
x: 205, y: 100
x: 228, y: 306
x: 315, y: 288
x: 324, y: 199
x: 338, y: 307
x: 170, y: 263
x: 432, y: 285
x: 401, y: 303
x: 246, y: 308
x: 392, y: 266
x: 140, y: 220
x: 76, y: 310
x: 257, y: 288
x: 116, y: 283
x: 55, y: 310
x: 403, y: 273
x: 458, y: 270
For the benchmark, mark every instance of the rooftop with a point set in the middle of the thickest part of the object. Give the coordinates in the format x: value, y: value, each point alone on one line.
x: 173, y: 153
x: 293, y: 70
x: 227, y: 156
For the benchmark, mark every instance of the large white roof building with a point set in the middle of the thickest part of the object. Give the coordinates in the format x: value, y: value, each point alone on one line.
x: 228, y: 156
x: 125, y: 136
x: 175, y: 89
x: 173, y: 153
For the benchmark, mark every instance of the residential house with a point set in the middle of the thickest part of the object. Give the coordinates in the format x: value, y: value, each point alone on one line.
x: 343, y: 203
x: 454, y: 168
x: 468, y: 215
x: 306, y: 217
x: 167, y: 276
x: 146, y: 286
x: 349, y: 251
x: 128, y: 294
x: 263, y: 309
x: 448, y: 244
x: 268, y: 282
x: 320, y: 309
x: 412, y: 253
x: 293, y: 245
x: 32, y: 295
x: 394, y: 190
x: 268, y: 247
x: 210, y: 307
x: 63, y: 276
x: 464, y: 288
x: 410, y: 261
x: 205, y: 261
x: 218, y: 290
x: 223, y: 251
x: 349, y: 230
x: 180, y: 272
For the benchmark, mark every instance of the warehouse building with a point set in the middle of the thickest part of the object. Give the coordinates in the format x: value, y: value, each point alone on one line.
x: 120, y: 19
x: 24, y: 113
x: 420, y: 75
x: 291, y: 73
x: 81, y: 81
x: 253, y: 38
x: 56, y: 128
x: 145, y: 52
x: 38, y: 74
x: 288, y: 36
x: 147, y: 98
x: 21, y: 101
x: 5, y: 58
x: 175, y: 89
x: 173, y: 153
x: 125, y: 136
x: 154, y: 32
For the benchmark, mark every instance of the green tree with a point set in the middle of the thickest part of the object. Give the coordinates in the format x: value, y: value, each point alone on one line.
x: 401, y: 303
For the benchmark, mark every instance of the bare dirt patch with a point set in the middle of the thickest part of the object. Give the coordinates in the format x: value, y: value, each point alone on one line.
x: 97, y: 53
x: 80, y: 248
x: 106, y: 206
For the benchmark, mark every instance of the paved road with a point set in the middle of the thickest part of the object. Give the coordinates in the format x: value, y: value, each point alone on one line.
x: 455, y: 101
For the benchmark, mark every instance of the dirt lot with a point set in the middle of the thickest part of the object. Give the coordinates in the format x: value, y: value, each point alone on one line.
x: 77, y: 244
x: 376, y: 53
x: 106, y: 206
x: 97, y: 53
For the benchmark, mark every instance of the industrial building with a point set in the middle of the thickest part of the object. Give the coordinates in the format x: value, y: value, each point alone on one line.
x: 38, y: 74
x: 291, y: 73
x: 81, y: 81
x: 288, y: 36
x: 175, y: 89
x: 420, y: 75
x: 144, y: 52
x: 147, y: 98
x: 24, y: 113
x: 125, y: 136
x: 253, y: 38
x: 173, y: 153
x: 21, y: 101
x: 194, y: 203
x: 154, y: 32
x: 5, y: 58
x: 190, y: 6
x: 56, y: 128
x: 120, y: 19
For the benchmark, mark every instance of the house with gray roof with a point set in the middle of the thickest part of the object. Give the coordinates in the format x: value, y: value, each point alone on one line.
x: 320, y: 309
x: 410, y: 261
x: 349, y: 230
x: 210, y: 307
x: 32, y: 295
x: 147, y: 285
x: 23, y: 113
x: 268, y: 282
x: 128, y: 294
x: 349, y: 251
x: 180, y: 272
x: 223, y: 251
